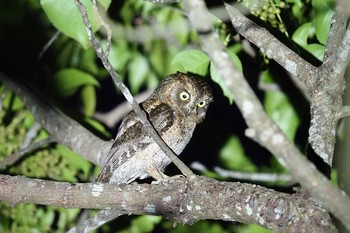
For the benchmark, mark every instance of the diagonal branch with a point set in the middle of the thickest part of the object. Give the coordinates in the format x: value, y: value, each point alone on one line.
x: 262, y: 128
x: 117, y: 81
x: 328, y: 87
x: 302, y: 71
x: 62, y: 129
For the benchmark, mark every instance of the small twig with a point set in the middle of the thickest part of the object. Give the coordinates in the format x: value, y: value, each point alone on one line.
x: 117, y: 81
x: 344, y: 112
x: 105, y: 26
x: 3, y: 96
x: 9, y: 160
x: 30, y: 135
x: 163, y: 1
x: 48, y: 44
x: 260, y: 177
x: 96, y: 221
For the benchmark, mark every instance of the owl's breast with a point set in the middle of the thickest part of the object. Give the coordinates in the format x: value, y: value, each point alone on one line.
x: 178, y: 136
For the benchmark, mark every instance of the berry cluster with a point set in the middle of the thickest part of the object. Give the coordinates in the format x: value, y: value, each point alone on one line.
x: 268, y: 11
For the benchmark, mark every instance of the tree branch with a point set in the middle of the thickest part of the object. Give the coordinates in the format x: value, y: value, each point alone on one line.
x: 301, y: 71
x: 328, y: 87
x: 117, y: 81
x: 326, y: 99
x: 62, y: 129
x: 181, y: 200
x: 262, y: 128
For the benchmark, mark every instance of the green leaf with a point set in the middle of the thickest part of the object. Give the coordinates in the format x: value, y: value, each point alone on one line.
x: 47, y: 219
x: 298, y: 9
x: 216, y: 77
x: 181, y: 28
x: 202, y: 226
x: 67, y: 81
x: 65, y: 16
x: 117, y: 60
x: 252, y: 228
x: 158, y: 58
x: 279, y: 108
x: 88, y: 96
x: 193, y: 61
x: 105, y: 3
x: 267, y: 77
x: 97, y: 126
x: 12, y: 102
x: 88, y: 61
x: 316, y: 49
x: 138, y: 69
x: 322, y: 19
x: 75, y: 160
x: 232, y: 155
x: 145, y: 223
x: 323, y: 23
x: 301, y: 35
x: 334, y: 177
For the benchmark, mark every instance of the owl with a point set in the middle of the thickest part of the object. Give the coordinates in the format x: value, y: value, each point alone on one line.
x: 175, y: 107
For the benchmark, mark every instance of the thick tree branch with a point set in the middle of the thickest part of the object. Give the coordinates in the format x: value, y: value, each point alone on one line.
x: 326, y: 98
x: 301, y: 71
x: 140, y: 113
x: 63, y: 129
x: 328, y: 87
x: 262, y: 128
x: 181, y: 200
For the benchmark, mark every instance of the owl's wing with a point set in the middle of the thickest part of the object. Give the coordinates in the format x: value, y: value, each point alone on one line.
x: 129, y: 134
x: 162, y: 117
x: 133, y: 137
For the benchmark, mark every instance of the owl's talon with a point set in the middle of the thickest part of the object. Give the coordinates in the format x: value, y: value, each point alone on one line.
x: 168, y: 178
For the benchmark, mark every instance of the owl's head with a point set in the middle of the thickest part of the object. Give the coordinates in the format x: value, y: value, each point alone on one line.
x: 187, y: 94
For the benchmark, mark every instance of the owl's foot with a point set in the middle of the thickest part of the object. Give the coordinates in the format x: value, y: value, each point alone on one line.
x: 160, y: 176
x: 156, y: 174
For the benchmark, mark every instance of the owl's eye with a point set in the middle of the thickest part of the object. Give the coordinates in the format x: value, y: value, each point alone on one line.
x: 201, y: 104
x: 184, y: 96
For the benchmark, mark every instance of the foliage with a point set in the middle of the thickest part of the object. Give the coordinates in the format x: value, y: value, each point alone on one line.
x: 318, y: 27
x: 54, y: 163
x: 149, y: 41
x: 268, y: 11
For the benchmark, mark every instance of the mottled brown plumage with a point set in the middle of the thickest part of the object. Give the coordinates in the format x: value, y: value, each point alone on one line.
x: 174, y: 109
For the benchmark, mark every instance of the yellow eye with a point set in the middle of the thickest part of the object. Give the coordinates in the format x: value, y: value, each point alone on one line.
x: 201, y: 104
x: 184, y: 96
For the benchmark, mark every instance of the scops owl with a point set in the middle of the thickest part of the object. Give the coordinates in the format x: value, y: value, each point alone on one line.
x: 175, y: 108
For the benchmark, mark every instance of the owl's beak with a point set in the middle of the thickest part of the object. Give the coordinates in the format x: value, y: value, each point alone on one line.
x: 188, y: 111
